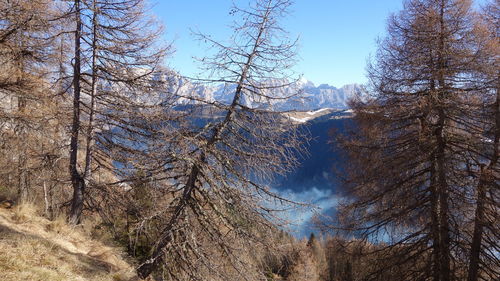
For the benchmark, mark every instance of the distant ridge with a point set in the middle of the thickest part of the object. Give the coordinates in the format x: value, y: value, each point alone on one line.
x: 306, y: 95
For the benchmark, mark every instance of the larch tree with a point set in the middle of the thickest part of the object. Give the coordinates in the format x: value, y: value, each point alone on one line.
x: 221, y: 212
x: 25, y: 57
x: 413, y: 148
x: 116, y: 53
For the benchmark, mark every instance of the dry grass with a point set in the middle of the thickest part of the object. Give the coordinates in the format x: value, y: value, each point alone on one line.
x: 33, y: 248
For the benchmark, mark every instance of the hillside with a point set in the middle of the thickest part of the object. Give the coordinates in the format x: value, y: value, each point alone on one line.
x: 317, y: 178
x: 34, y: 248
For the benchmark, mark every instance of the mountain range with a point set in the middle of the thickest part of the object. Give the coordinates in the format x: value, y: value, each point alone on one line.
x: 303, y: 95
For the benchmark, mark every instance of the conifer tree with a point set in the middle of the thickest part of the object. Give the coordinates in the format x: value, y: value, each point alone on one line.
x: 116, y: 53
x: 221, y: 213
x: 482, y: 263
x: 413, y: 149
x: 25, y: 56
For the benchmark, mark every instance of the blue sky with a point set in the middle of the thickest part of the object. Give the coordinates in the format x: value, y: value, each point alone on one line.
x: 336, y: 36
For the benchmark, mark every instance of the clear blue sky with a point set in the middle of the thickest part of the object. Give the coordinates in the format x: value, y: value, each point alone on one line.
x: 336, y: 36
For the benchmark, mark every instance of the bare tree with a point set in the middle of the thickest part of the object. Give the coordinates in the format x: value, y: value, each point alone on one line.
x: 120, y: 49
x: 221, y: 206
x: 25, y: 57
x: 413, y: 150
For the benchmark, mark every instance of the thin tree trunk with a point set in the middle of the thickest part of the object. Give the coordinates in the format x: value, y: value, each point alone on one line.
x: 23, y: 185
x: 475, y: 249
x: 442, y: 185
x: 435, y: 234
x: 76, y: 179
x: 434, y: 199
x: 22, y: 168
x: 442, y: 193
x: 444, y: 230
x: 482, y: 189
x: 90, y: 129
x: 46, y: 200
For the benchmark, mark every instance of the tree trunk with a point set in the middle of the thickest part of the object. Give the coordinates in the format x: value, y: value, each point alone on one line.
x: 90, y: 127
x: 475, y: 249
x: 152, y: 263
x: 442, y: 185
x: 23, y: 184
x: 76, y: 179
x: 22, y: 158
x: 484, y: 180
x: 47, y: 196
x: 435, y: 234
x: 442, y: 192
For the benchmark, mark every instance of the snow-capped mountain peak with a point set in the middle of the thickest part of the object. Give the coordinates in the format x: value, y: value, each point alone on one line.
x: 305, y: 96
x: 304, y: 83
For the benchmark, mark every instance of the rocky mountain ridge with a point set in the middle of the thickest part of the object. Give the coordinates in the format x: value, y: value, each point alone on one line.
x: 302, y: 95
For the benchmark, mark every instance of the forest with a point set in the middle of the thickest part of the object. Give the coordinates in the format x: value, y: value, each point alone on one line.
x: 94, y: 129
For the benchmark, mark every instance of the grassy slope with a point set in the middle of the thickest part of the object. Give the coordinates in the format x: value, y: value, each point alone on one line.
x: 33, y: 248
